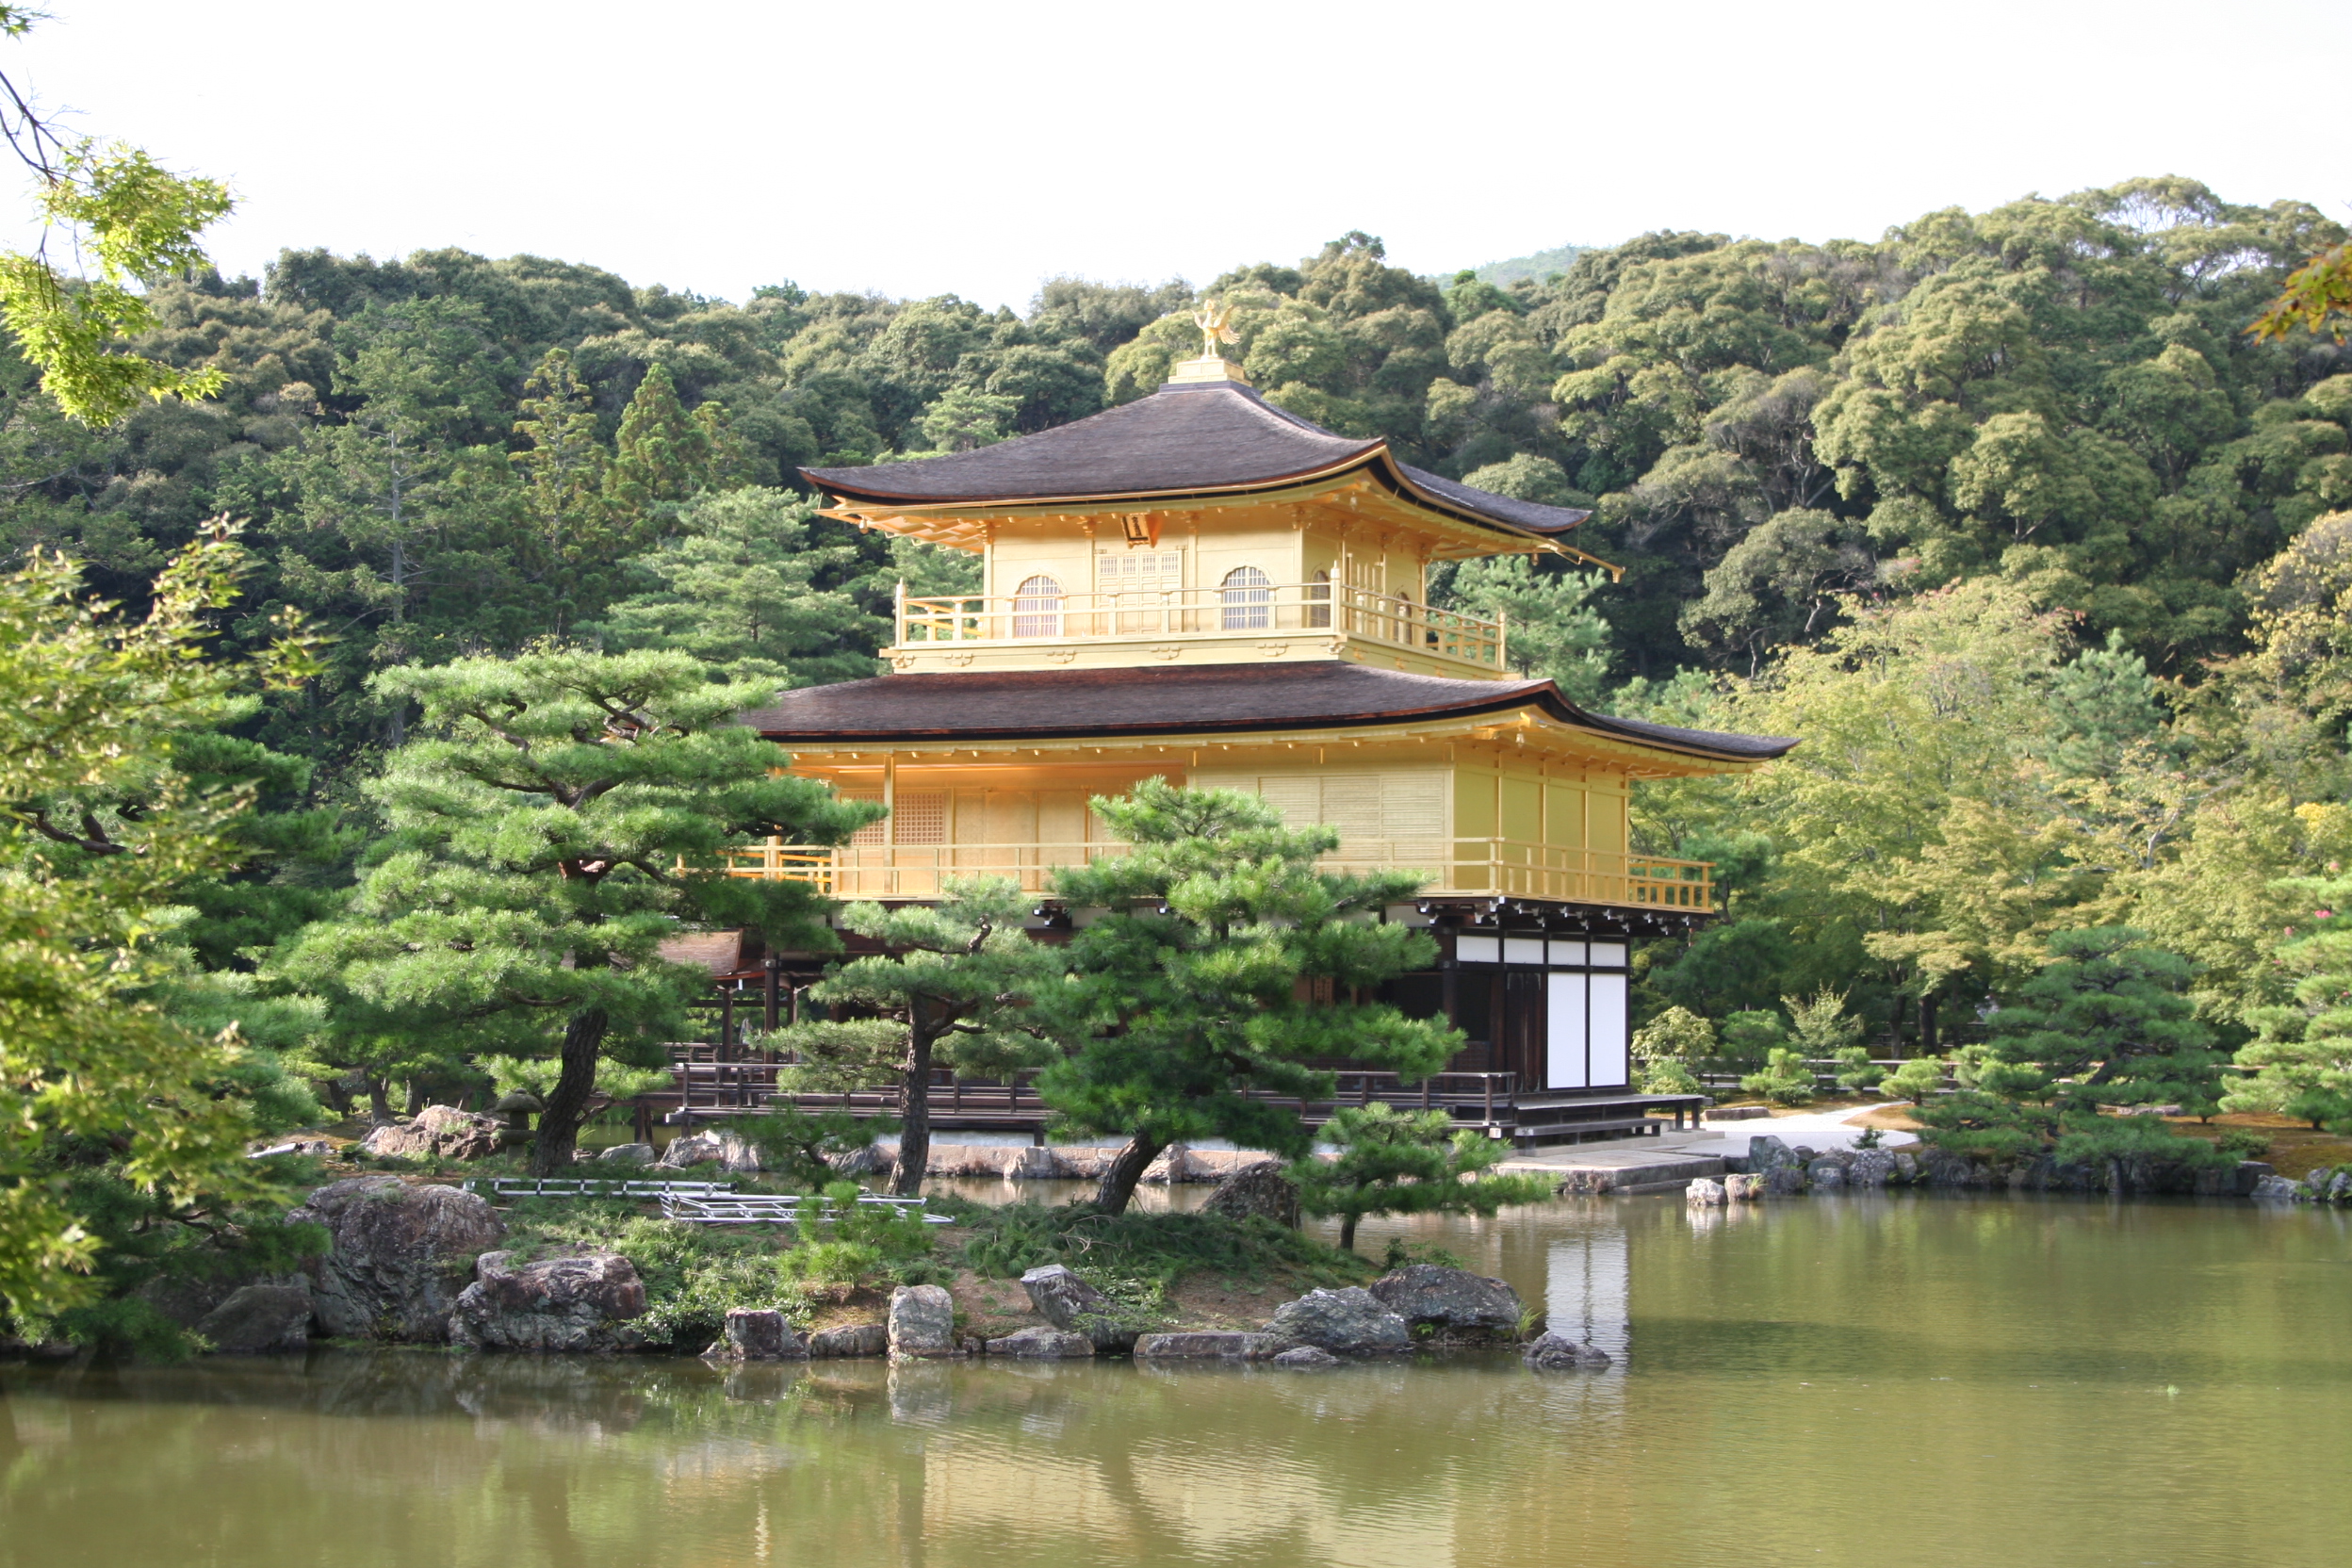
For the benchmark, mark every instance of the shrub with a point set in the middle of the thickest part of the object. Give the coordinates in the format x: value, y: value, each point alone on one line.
x: 1785, y: 1081
x: 1916, y: 1080
x: 1856, y: 1070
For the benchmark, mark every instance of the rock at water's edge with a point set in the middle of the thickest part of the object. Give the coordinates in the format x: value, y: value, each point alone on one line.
x: 1349, y: 1322
x: 1042, y: 1343
x: 257, y: 1319
x: 1454, y: 1301
x: 1704, y: 1192
x: 1552, y: 1353
x: 1068, y: 1302
x: 1742, y: 1188
x: 1306, y: 1357
x: 399, y: 1256
x: 759, y: 1333
x: 580, y: 1303
x: 923, y: 1321
x: 1218, y: 1345
x: 861, y: 1339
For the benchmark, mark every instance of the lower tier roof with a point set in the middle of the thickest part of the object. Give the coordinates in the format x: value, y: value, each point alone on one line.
x: 1326, y: 693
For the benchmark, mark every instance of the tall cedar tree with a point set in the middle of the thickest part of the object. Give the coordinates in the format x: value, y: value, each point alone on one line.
x: 952, y: 989
x: 1407, y: 1162
x: 1198, y: 983
x: 565, y: 815
x: 662, y: 455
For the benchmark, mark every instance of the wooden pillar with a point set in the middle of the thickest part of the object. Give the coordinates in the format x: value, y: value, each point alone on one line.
x: 771, y: 973
x: 727, y: 1023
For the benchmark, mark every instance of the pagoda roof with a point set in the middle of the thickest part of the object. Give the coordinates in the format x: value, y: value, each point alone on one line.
x: 1187, y: 440
x: 987, y: 705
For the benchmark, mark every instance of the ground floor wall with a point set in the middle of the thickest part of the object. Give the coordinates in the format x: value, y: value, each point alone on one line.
x: 1553, y: 1012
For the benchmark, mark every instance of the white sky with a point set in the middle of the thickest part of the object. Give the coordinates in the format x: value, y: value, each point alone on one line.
x: 919, y: 148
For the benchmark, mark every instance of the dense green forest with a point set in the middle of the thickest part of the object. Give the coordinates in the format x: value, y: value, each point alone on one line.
x: 1991, y: 510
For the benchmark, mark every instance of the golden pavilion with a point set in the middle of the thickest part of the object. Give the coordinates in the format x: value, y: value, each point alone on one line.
x: 1202, y: 586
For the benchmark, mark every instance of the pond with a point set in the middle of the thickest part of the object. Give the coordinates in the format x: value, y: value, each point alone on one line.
x: 1956, y: 1380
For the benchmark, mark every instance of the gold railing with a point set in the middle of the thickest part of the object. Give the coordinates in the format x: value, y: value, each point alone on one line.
x: 1512, y: 867
x: 1238, y: 612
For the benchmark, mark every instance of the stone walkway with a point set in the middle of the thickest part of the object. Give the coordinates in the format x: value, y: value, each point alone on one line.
x: 1671, y: 1160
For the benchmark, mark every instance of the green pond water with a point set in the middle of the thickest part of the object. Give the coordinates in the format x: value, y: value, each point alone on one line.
x: 1913, y: 1379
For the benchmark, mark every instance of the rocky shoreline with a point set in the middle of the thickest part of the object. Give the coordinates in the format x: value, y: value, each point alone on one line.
x: 1771, y: 1169
x: 423, y: 1264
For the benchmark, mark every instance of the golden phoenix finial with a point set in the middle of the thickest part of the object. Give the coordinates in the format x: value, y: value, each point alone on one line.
x: 1215, y: 321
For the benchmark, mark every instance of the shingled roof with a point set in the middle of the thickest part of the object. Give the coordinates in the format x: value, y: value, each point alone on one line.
x: 1185, y: 440
x: 984, y: 705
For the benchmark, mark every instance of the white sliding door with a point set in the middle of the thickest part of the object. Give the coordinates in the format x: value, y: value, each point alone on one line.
x: 1607, y: 1032
x: 1564, y: 1032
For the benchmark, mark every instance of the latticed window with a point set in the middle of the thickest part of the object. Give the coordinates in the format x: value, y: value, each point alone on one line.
x: 1247, y: 596
x: 1037, y: 608
x: 1137, y: 586
x: 917, y: 817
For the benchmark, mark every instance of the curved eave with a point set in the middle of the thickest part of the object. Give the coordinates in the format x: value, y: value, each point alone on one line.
x: 1547, y: 698
x: 1376, y: 458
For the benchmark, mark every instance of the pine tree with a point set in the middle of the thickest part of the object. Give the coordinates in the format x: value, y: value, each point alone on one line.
x: 1405, y: 1162
x: 736, y: 587
x: 2302, y: 1053
x: 2108, y: 1017
x: 951, y: 989
x: 567, y: 811
x: 1199, y: 985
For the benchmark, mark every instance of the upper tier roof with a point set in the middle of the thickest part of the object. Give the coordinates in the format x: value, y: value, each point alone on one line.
x: 1205, y: 699
x: 1183, y: 441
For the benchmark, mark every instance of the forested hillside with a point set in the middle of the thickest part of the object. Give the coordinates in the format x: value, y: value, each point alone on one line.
x: 1989, y: 509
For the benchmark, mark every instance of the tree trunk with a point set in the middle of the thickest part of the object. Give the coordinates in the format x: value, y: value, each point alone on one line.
x: 1347, y: 1233
x: 1119, y: 1177
x: 378, y: 1102
x: 567, y: 1102
x: 415, y: 1095
x: 914, y: 1118
x: 1927, y: 1025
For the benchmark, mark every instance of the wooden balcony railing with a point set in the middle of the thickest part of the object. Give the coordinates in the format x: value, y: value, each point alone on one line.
x: 1513, y: 867
x: 1229, y: 611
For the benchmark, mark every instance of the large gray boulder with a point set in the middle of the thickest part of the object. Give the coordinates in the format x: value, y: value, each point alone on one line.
x: 1261, y: 1190
x: 1743, y: 1188
x: 1349, y: 1322
x: 1825, y: 1175
x: 759, y: 1333
x: 1071, y: 1305
x: 580, y: 1303
x: 1042, y: 1343
x: 1454, y: 1302
x: 858, y: 1339
x: 923, y: 1321
x: 1767, y: 1153
x: 398, y: 1256
x: 256, y: 1319
x: 439, y: 1132
x: 1784, y: 1181
x: 1306, y: 1358
x: 627, y: 1153
x: 1553, y: 1353
x: 1705, y: 1192
x: 727, y: 1150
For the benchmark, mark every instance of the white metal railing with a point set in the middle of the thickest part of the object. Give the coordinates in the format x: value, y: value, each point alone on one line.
x: 1509, y: 866
x: 1229, y: 610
